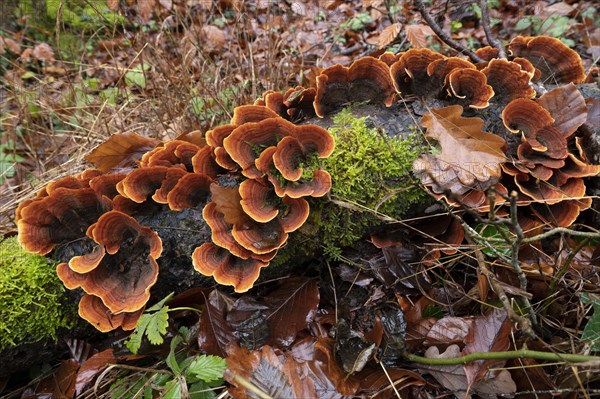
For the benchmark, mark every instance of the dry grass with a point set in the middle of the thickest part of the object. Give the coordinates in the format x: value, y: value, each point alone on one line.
x: 57, y: 117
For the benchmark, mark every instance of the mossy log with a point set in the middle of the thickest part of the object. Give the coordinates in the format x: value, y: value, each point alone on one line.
x: 336, y: 221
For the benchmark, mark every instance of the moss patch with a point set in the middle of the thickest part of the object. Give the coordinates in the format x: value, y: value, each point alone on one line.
x: 32, y: 298
x: 369, y: 171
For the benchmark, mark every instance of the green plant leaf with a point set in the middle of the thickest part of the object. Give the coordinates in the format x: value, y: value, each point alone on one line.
x: 200, y: 390
x: 172, y: 390
x: 153, y: 324
x: 171, y: 360
x: 492, y: 236
x: 136, y: 76
x: 523, y: 24
x: 135, y: 339
x: 591, y: 332
x: 157, y: 327
x: 207, y: 368
x: 157, y: 306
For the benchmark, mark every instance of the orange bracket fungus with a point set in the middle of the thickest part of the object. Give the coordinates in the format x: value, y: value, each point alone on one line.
x: 228, y: 201
x: 367, y: 79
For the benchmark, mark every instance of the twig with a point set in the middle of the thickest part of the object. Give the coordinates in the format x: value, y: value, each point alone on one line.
x: 485, y: 21
x: 443, y: 35
x: 518, y: 354
x: 499, y: 290
x: 514, y: 257
x: 561, y: 230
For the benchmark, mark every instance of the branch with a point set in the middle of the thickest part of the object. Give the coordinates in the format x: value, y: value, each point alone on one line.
x: 443, y: 35
x: 518, y: 354
x: 557, y: 230
x: 485, y: 21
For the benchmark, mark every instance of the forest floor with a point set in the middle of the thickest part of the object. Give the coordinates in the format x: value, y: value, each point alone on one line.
x: 73, y: 74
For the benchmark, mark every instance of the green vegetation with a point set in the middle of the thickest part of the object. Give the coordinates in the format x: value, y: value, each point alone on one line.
x: 371, y: 174
x: 33, y: 306
x: 76, y: 14
x: 8, y: 159
x: 195, y: 376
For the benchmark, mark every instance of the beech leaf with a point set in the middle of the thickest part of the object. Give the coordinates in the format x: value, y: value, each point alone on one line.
x: 454, y: 378
x: 488, y: 333
x: 388, y: 34
x: 417, y: 35
x: 215, y: 333
x: 120, y: 150
x: 468, y: 157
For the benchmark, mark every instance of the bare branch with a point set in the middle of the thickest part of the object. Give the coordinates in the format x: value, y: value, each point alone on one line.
x: 485, y: 21
x: 443, y: 35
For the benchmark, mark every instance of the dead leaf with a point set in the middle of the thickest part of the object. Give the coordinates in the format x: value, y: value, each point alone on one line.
x: 214, y: 333
x: 120, y: 151
x: 285, y: 311
x: 417, y: 35
x: 488, y: 333
x: 468, y: 158
x: 43, y: 52
x: 453, y: 377
x: 376, y: 381
x: 448, y: 330
x: 215, y: 38
x: 112, y: 5
x: 567, y: 107
x: 388, y: 34
x: 145, y: 9
x: 60, y: 384
x: 91, y: 368
x: 168, y: 4
x: 276, y: 376
x: 10, y: 44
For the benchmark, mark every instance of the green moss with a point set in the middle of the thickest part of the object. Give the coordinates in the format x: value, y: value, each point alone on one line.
x: 370, y: 171
x: 32, y: 298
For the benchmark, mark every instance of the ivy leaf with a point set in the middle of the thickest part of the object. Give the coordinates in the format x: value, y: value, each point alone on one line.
x: 207, y: 368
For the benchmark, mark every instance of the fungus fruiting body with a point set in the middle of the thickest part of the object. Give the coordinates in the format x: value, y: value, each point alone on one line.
x: 256, y: 178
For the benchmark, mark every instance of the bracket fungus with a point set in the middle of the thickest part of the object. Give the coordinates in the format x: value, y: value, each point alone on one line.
x: 367, y: 79
x: 249, y: 180
x: 556, y: 61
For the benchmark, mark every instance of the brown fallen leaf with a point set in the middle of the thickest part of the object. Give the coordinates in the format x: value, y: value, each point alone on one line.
x: 448, y: 330
x: 454, y: 378
x: 488, y: 333
x: 417, y: 35
x: 145, y: 9
x: 277, y: 375
x: 120, y: 151
x: 91, y: 368
x: 112, y: 5
x: 10, y: 44
x: 43, y: 52
x: 215, y: 38
x: 469, y: 157
x: 388, y: 34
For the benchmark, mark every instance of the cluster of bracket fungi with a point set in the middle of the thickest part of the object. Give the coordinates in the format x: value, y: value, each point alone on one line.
x: 272, y: 164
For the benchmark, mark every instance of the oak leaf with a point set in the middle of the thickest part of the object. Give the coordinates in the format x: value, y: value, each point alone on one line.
x: 469, y: 158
